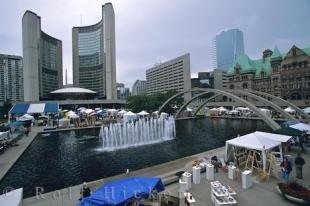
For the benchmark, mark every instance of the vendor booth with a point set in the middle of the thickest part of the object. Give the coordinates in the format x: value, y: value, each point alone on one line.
x: 133, y: 190
x: 257, y: 144
x: 301, y: 127
x: 129, y: 117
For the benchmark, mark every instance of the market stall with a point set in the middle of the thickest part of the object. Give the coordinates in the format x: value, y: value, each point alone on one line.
x: 301, y: 127
x: 129, y: 117
x: 257, y: 144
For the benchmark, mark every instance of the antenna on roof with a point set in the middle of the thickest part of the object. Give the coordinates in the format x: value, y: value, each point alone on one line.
x: 81, y: 20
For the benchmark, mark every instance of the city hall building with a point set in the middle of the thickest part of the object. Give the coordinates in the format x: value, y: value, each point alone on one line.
x: 286, y: 75
x: 93, y: 51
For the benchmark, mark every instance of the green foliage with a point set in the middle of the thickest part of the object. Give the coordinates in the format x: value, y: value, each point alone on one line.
x: 151, y: 103
x: 4, y: 110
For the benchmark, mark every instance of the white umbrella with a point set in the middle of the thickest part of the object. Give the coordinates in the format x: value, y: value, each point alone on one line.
x: 222, y: 109
x: 307, y: 110
x: 122, y: 112
x: 189, y: 109
x: 143, y: 113
x: 289, y: 110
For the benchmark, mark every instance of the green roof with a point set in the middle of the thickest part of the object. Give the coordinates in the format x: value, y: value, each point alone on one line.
x: 276, y: 53
x: 259, y: 65
x: 306, y: 50
x: 248, y: 65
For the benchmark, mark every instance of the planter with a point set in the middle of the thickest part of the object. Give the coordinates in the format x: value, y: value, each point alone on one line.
x: 291, y: 198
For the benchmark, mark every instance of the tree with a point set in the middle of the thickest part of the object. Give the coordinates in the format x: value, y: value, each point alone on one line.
x: 150, y: 103
x: 7, y: 105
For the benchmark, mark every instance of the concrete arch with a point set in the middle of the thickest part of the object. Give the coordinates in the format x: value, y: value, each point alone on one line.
x: 264, y: 117
x: 271, y: 104
x: 297, y: 109
x: 188, y: 102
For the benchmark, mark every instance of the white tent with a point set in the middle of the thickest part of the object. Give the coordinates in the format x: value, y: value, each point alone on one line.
x: 233, y: 112
x: 189, y: 109
x: 122, y: 112
x: 26, y: 117
x: 242, y: 109
x: 222, y: 109
x: 255, y: 141
x: 275, y: 137
x: 301, y: 127
x: 289, y: 110
x: 143, y: 113
x: 163, y: 115
x: 13, y: 198
x: 307, y: 110
x: 129, y: 116
x: 111, y: 110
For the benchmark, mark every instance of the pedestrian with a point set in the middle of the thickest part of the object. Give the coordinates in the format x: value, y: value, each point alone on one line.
x: 299, y: 162
x: 302, y: 140
x: 286, y: 169
x: 85, y: 191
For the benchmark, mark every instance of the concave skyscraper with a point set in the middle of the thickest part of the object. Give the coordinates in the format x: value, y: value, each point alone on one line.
x: 93, y: 49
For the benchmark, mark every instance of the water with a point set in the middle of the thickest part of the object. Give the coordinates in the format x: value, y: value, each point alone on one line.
x: 69, y: 158
x: 143, y: 132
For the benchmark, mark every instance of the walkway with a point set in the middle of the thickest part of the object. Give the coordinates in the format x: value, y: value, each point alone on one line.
x: 259, y: 194
x: 11, y: 155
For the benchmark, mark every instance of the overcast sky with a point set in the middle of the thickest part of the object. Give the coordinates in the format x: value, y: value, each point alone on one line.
x: 152, y: 31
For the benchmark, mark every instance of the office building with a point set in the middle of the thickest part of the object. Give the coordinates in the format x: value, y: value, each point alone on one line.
x: 171, y: 75
x: 216, y: 79
x: 139, y: 88
x: 93, y: 49
x: 11, y: 78
x: 42, y: 60
x: 286, y: 75
x: 122, y: 91
x: 227, y: 46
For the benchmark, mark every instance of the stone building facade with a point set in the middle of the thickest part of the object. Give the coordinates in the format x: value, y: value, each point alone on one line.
x: 285, y: 75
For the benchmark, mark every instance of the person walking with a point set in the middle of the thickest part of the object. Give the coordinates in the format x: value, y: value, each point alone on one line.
x: 299, y: 162
x: 85, y: 191
x: 286, y: 169
x: 302, y: 140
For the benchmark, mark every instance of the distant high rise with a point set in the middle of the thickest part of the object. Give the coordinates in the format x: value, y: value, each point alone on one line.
x: 11, y: 78
x: 227, y: 46
x: 93, y: 48
x: 139, y: 87
x: 122, y: 91
x: 174, y: 74
x: 42, y: 60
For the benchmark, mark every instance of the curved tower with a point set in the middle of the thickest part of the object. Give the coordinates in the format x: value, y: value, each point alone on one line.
x: 93, y: 51
x: 42, y: 60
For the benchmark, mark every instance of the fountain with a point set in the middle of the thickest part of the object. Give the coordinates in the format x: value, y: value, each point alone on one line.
x: 142, y: 132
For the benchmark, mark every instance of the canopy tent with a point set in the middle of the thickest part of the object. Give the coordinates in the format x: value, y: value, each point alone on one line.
x: 189, y: 109
x: 288, y: 131
x: 222, y: 109
x: 13, y: 198
x: 124, y: 190
x: 301, y: 127
x: 289, y: 110
x: 255, y: 141
x: 242, y: 108
x: 307, y: 110
x: 26, y: 117
x: 164, y: 115
x: 143, y: 113
x: 23, y: 108
x: 234, y: 112
x: 122, y: 112
x: 129, y: 116
x: 289, y: 123
x: 275, y: 137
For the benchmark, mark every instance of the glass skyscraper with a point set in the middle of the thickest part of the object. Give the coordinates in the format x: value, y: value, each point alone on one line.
x: 42, y: 60
x: 227, y: 46
x: 93, y: 49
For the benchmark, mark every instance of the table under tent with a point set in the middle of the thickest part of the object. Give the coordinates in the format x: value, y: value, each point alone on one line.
x: 260, y: 151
